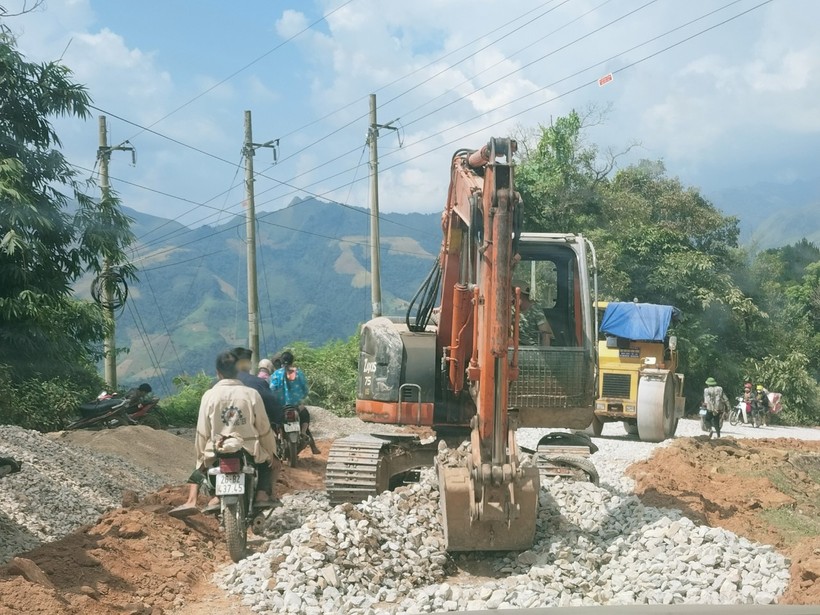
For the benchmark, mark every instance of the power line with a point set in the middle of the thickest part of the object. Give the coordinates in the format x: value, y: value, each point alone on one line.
x: 174, y: 264
x: 421, y: 68
x: 519, y: 99
x: 542, y: 89
x: 427, y: 80
x: 146, y: 342
x: 148, y: 128
x: 244, y: 68
x: 460, y: 98
x: 228, y: 162
x: 296, y: 189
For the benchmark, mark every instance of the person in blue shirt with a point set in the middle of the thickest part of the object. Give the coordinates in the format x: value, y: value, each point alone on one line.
x: 290, y: 387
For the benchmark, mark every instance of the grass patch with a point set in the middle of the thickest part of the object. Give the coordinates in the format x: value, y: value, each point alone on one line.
x: 794, y: 525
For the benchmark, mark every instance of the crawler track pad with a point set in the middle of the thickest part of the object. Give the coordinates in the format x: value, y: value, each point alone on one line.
x: 493, y: 532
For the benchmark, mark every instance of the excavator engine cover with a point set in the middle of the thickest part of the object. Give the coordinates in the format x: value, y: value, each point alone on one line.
x: 494, y: 529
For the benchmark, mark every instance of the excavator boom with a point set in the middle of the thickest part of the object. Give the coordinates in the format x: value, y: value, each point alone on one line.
x: 488, y: 500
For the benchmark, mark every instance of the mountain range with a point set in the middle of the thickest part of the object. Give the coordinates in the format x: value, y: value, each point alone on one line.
x: 313, y: 264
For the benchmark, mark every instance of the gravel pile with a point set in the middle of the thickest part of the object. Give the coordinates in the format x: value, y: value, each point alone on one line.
x: 60, y: 488
x: 324, y: 425
x: 593, y: 546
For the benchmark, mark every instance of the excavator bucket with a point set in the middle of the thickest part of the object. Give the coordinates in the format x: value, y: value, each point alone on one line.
x: 498, y: 526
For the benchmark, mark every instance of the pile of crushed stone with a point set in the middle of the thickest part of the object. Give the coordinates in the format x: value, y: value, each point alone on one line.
x: 60, y: 488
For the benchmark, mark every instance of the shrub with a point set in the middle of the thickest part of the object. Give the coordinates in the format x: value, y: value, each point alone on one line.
x: 45, y: 404
x: 182, y: 408
x: 331, y: 372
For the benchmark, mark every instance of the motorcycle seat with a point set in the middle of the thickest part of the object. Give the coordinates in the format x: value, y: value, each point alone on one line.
x: 94, y: 408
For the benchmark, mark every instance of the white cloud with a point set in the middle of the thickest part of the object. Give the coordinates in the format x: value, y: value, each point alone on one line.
x: 291, y: 23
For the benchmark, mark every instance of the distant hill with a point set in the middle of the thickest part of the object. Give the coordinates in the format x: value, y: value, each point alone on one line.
x: 313, y: 270
x: 313, y: 280
x: 773, y: 215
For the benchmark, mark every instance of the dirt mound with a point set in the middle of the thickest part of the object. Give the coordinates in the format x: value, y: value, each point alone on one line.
x: 766, y: 490
x: 135, y: 560
x: 160, y: 451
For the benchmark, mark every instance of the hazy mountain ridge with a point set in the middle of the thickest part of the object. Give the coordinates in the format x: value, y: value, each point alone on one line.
x: 313, y: 282
x: 313, y: 268
x: 773, y: 214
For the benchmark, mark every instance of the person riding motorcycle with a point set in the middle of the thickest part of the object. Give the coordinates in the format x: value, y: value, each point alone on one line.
x: 272, y: 406
x: 290, y: 388
x: 229, y: 409
x: 761, y: 404
x: 265, y: 369
x: 715, y: 402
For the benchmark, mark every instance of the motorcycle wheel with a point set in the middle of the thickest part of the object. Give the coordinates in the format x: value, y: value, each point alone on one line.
x: 236, y: 533
x: 734, y: 418
x: 755, y: 419
x: 293, y: 453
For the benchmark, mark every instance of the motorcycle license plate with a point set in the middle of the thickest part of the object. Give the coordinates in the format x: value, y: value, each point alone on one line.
x: 290, y: 427
x: 230, y: 484
x: 702, y: 412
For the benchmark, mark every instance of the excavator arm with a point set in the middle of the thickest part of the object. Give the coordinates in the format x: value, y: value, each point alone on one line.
x: 488, y: 499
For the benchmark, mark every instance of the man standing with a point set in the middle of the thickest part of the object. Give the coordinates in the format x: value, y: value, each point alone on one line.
x: 761, y: 404
x: 716, y: 402
x: 231, y: 409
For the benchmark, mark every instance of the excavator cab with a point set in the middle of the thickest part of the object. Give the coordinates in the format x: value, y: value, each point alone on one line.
x: 556, y: 372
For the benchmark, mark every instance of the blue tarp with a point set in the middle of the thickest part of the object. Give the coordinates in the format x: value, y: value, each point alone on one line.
x: 638, y: 321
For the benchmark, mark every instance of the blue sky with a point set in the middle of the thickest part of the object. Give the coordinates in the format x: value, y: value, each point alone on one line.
x: 731, y: 107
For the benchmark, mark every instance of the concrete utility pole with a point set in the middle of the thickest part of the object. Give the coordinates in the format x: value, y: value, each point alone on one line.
x: 375, y: 258
x: 250, y: 232
x: 110, y: 342
x: 249, y: 149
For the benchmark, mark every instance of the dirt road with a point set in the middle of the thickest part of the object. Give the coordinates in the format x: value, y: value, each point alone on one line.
x: 138, y: 559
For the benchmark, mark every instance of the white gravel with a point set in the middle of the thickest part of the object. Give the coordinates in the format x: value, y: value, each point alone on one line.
x: 594, y: 546
x: 617, y: 450
x: 60, y: 488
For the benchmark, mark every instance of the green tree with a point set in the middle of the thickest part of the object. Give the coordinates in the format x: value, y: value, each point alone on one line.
x: 44, y: 247
x: 657, y: 240
x: 558, y: 178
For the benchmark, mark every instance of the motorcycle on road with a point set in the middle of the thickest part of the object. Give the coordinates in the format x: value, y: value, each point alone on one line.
x: 234, y: 480
x: 290, y: 441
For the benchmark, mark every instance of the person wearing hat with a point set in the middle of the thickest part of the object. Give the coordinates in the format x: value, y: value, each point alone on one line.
x: 716, y: 403
x: 761, y: 404
x: 747, y: 401
x: 265, y: 369
x: 533, y: 328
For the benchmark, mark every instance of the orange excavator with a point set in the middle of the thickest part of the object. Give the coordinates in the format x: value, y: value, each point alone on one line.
x: 511, y: 344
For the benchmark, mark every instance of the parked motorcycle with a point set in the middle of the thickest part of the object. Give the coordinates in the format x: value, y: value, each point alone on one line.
x: 110, y: 410
x: 234, y: 480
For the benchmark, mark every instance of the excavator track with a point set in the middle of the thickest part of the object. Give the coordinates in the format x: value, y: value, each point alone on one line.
x: 362, y: 465
x: 352, y: 473
x: 566, y: 455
